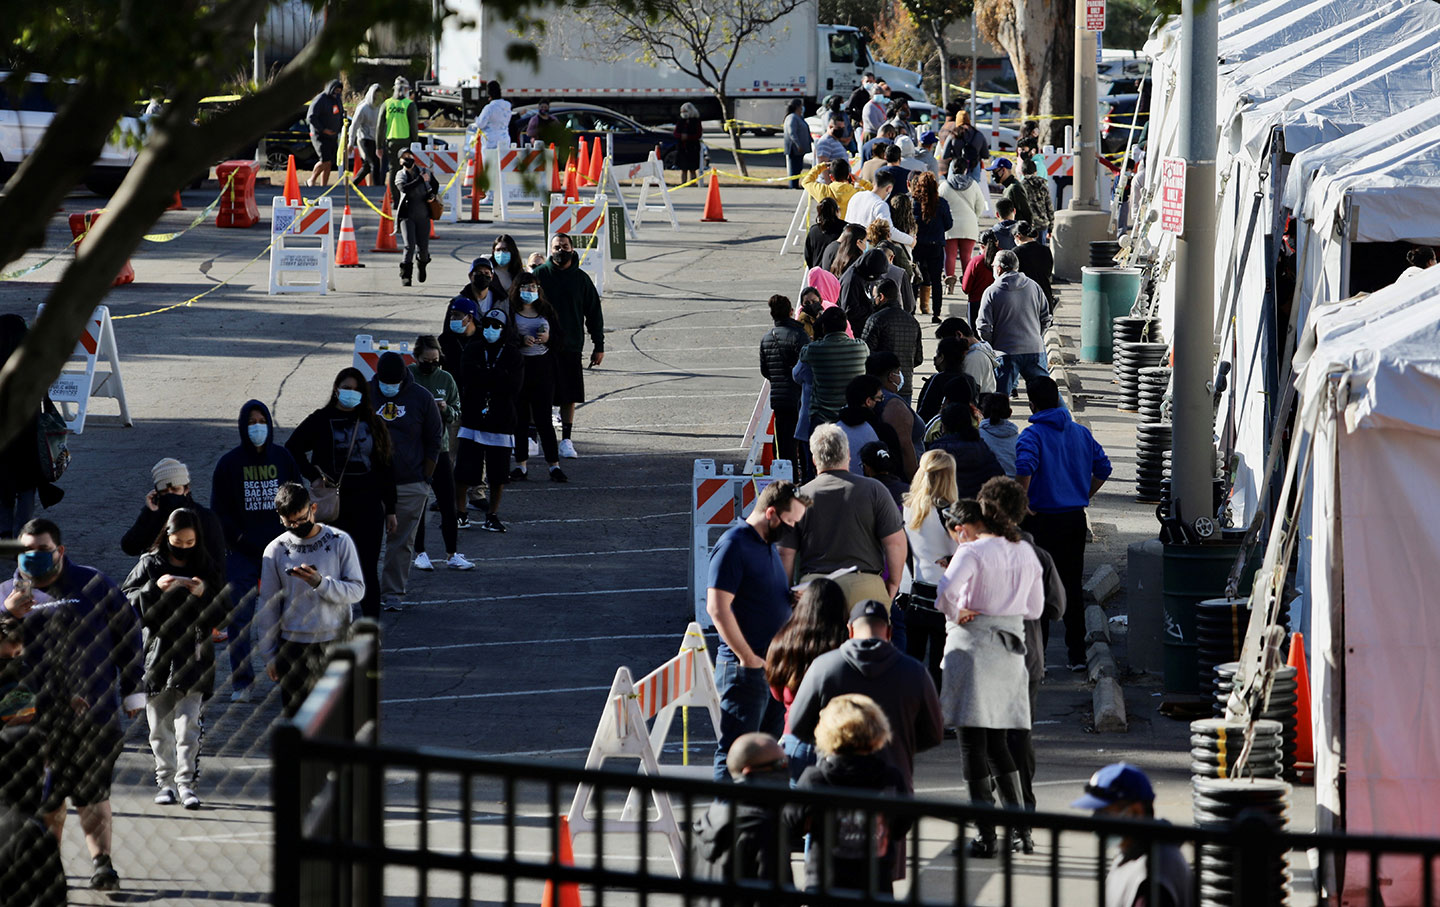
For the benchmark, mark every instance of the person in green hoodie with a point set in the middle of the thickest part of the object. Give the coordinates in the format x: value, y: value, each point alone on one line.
x: 442, y: 386
x: 577, y: 307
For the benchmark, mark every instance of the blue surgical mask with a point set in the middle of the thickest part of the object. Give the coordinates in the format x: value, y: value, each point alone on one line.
x: 258, y: 432
x: 492, y: 335
x: 457, y: 326
x: 389, y: 390
x: 502, y: 258
x: 36, y: 564
x: 348, y: 398
x: 529, y: 295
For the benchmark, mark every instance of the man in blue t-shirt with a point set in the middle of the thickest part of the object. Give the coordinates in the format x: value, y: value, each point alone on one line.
x: 748, y: 598
x: 1061, y: 466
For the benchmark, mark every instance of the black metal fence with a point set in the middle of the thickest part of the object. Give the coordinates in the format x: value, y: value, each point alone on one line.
x: 358, y: 823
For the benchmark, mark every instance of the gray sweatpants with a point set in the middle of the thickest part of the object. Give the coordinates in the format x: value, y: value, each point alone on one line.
x: 174, y: 718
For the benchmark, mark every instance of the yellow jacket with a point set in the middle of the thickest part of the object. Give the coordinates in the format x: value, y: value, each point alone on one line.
x: 841, y: 192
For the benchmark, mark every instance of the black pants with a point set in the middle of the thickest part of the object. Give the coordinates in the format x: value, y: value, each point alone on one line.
x: 984, y: 752
x: 1062, y: 535
x: 300, y: 665
x: 1022, y: 752
x: 537, y: 395
x: 785, y: 419
x: 363, y: 518
x: 925, y: 640
x: 930, y: 258
x: 795, y: 166
x: 443, y: 484
x: 369, y: 162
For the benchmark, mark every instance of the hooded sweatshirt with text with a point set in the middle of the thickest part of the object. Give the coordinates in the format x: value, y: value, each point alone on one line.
x: 242, y: 489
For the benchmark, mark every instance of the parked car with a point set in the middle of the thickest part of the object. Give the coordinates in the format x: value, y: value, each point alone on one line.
x: 633, y: 142
x: 1118, y: 118
x: 26, y: 110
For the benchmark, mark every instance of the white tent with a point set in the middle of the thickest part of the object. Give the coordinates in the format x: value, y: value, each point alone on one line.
x: 1369, y: 381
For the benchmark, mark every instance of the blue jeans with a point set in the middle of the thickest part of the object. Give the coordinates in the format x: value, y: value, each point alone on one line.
x: 745, y: 706
x: 802, y: 755
x: 1014, y: 366
x: 242, y: 573
x: 16, y: 509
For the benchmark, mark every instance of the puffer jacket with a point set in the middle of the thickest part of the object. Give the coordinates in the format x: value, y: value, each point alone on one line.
x: 779, y: 351
x: 891, y: 329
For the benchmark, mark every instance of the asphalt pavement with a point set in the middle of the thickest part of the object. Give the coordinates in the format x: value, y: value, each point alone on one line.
x: 512, y: 658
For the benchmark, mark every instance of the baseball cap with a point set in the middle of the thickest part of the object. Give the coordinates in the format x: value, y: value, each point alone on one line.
x: 464, y: 305
x: 1119, y: 782
x: 870, y: 609
x: 496, y: 315
x: 877, y: 456
x: 929, y: 138
x: 482, y: 262
x: 1001, y: 162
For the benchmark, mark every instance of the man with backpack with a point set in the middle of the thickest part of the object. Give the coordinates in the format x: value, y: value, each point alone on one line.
x: 967, y: 145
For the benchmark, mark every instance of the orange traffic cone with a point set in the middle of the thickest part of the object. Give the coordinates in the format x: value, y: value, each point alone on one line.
x: 597, y: 163
x: 554, y: 170
x: 1304, y: 740
x: 568, y: 893
x: 177, y: 204
x: 347, y: 253
x: 479, y: 166
x: 385, y: 236
x: 583, y: 167
x: 356, y: 162
x: 713, y: 210
x: 432, y: 229
x: 292, y: 183
x: 572, y: 189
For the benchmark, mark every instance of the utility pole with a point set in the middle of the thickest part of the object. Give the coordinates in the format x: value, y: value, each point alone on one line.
x: 258, y: 63
x: 1193, y: 459
x: 974, y: 58
x: 1082, y: 222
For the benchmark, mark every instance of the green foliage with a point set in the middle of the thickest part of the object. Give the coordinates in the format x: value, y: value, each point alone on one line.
x: 1127, y: 22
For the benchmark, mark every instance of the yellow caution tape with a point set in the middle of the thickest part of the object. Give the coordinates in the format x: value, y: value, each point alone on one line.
x: 203, y: 215
x: 11, y: 275
x: 745, y: 124
x: 751, y: 179
x: 758, y: 150
x: 684, y: 184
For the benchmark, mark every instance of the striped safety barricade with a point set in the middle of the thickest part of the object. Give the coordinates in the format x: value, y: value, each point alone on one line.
x: 520, y: 179
x: 442, y: 164
x: 717, y: 500
x: 82, y: 378
x: 586, y: 225
x: 654, y: 196
x: 368, y: 351
x: 302, y: 247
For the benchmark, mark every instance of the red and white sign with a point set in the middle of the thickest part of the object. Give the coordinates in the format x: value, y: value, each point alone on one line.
x: 1094, y: 15
x: 1172, y: 195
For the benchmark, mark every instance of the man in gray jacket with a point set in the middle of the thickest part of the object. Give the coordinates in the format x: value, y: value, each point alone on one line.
x: 413, y: 418
x: 1014, y: 315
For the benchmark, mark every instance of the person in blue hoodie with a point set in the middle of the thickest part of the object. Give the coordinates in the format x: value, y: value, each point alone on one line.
x: 1061, y: 466
x: 242, y: 495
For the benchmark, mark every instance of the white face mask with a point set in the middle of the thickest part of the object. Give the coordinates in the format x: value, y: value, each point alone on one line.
x: 899, y: 382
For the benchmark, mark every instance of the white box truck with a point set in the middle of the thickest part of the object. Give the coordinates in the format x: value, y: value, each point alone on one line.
x: 795, y: 58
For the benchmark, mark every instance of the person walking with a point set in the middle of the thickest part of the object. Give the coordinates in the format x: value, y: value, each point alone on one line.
x: 363, y: 136
x: 1037, y: 194
x: 932, y: 491
x: 462, y: 322
x: 441, y: 385
x: 933, y: 222
x: 310, y: 581
x: 412, y: 419
x: 414, y: 188
x: 779, y: 354
x: 687, y: 142
x: 325, y: 117
x: 505, y: 253
x: 816, y: 626
x: 797, y: 141
x: 891, y: 329
x: 825, y: 230
x: 1036, y: 260
x: 535, y: 324
x: 833, y: 360
x: 399, y: 125
x: 1003, y: 173
x: 494, y: 119
x: 490, y: 376
x: 991, y: 586
x: 1122, y: 790
x: 177, y: 588
x: 170, y: 490
x: 572, y: 294
x: 979, y: 273
x: 1061, y: 466
x: 343, y: 448
x: 1014, y: 315
x: 242, y: 488
x: 868, y: 204
x: 966, y: 199
x: 748, y: 598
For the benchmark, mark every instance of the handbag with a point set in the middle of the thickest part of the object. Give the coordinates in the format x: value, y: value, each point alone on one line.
x: 326, y: 497
x: 437, y: 208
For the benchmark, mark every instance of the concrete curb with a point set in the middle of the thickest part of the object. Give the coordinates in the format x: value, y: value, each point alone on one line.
x: 1102, y: 586
x: 1107, y: 699
x: 1055, y: 362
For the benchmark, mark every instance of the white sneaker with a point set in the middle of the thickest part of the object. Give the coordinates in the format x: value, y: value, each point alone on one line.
x: 422, y: 562
x: 241, y: 695
x: 534, y: 448
x: 567, y: 449
x: 166, y: 797
x: 458, y: 561
x: 188, y: 799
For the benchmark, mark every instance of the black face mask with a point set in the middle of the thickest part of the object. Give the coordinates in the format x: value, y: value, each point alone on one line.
x: 428, y: 368
x: 303, y: 530
x: 562, y: 257
x: 182, y: 554
x: 172, y: 501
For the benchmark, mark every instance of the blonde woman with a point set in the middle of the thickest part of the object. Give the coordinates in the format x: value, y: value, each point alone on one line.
x: 931, y: 491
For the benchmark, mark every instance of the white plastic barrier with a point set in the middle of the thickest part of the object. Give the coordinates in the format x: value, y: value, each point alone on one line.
x: 717, y: 501
x: 368, y: 351
x: 443, y: 164
x: 520, y: 178
x: 794, y: 240
x: 585, y: 224
x: 651, y: 173
x: 302, y: 247
x: 80, y: 379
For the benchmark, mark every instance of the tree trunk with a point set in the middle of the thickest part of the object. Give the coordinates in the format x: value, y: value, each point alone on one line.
x: 1039, y: 38
x: 734, y: 131
x: 939, y: 36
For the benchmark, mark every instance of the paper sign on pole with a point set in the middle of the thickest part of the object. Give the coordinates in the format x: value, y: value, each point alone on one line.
x: 1172, y: 195
x: 1094, y: 15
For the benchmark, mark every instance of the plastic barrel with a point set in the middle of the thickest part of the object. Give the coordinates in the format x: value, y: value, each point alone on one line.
x: 1105, y: 294
x: 1193, y: 573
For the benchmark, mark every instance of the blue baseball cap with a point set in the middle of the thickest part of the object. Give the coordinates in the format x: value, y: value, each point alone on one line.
x: 464, y: 305
x: 1001, y: 162
x: 1117, y: 783
x: 929, y: 138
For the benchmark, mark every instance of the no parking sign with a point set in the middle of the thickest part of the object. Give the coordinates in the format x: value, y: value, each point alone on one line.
x: 1172, y: 195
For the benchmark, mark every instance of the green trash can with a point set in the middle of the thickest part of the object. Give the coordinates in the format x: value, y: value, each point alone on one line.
x: 1193, y: 573
x: 1105, y: 294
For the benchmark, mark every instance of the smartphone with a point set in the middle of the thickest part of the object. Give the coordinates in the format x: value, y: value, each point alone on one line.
x: 291, y: 571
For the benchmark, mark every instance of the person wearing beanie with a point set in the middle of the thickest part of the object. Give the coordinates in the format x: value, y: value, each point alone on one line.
x: 413, y: 419
x: 169, y: 491
x: 490, y: 377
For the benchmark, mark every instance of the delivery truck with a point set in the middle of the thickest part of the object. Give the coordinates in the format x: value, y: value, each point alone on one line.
x: 578, y: 61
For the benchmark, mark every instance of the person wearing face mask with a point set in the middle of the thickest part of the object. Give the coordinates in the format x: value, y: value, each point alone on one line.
x: 442, y: 386
x: 412, y: 418
x: 178, y: 590
x: 171, y: 490
x: 414, y: 187
x: 508, y: 265
x: 867, y: 205
x: 577, y: 309
x: 490, y: 377
x: 895, y: 411
x: 484, y: 289
x: 534, y: 322
x: 244, y: 482
x: 75, y: 617
x: 461, y: 325
x: 345, y: 445
x: 309, y: 584
x: 891, y: 329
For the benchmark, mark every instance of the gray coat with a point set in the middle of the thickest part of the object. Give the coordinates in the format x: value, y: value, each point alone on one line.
x: 1014, y: 314
x: 985, y: 681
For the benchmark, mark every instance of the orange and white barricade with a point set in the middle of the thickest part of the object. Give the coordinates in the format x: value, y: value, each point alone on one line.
x: 302, y: 247
x: 717, y: 500
x: 81, y: 377
x: 368, y: 351
x: 684, y: 681
x: 651, y: 174
x: 520, y: 179
x: 444, y: 165
x: 585, y: 224
x: 1056, y: 165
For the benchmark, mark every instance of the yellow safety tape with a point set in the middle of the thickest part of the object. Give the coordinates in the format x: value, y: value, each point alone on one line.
x: 195, y: 222
x: 752, y: 179
x: 33, y: 268
x: 684, y: 184
x: 372, y: 205
x: 758, y: 150
x: 746, y: 124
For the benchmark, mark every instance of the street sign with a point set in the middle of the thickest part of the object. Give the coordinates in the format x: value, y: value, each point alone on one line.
x: 1094, y: 15
x: 1172, y: 195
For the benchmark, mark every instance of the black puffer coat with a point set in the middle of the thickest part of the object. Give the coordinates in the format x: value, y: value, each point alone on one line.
x: 179, y: 652
x: 779, y: 351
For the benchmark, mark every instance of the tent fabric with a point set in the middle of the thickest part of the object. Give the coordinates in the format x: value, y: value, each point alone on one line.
x: 1376, y: 480
x: 1334, y: 154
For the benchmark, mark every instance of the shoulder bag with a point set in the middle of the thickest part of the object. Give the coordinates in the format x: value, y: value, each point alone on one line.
x: 326, y: 496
